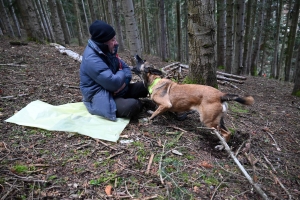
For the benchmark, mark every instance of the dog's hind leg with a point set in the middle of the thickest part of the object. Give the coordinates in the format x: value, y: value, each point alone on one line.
x: 224, y: 131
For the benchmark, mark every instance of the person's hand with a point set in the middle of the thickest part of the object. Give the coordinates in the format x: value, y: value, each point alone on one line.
x: 121, y: 88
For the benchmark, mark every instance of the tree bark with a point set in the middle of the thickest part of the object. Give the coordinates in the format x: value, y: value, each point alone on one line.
x: 257, y: 42
x: 163, y: 37
x: 63, y: 21
x: 239, y: 32
x: 221, y: 33
x: 229, y: 36
x: 291, y: 40
x: 202, y: 42
x: 274, y: 65
x: 131, y: 29
x: 296, y: 89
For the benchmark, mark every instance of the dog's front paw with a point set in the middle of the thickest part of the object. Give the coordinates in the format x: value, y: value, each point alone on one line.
x: 219, y: 147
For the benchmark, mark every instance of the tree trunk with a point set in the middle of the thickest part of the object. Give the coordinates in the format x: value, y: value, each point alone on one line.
x: 6, y: 18
x: 178, y: 21
x: 252, y: 28
x: 63, y: 21
x: 248, y: 37
x: 118, y: 25
x: 266, y: 33
x: 275, y: 54
x: 229, y: 36
x: 296, y: 89
x: 13, y: 14
x: 30, y: 20
x: 147, y: 46
x: 202, y: 42
x: 78, y: 24
x: 45, y: 23
x: 163, y: 38
x: 239, y: 32
x: 131, y: 29
x: 221, y: 33
x: 257, y: 42
x: 87, y: 23
x: 281, y: 57
x: 291, y: 40
x: 55, y: 19
x: 92, y: 10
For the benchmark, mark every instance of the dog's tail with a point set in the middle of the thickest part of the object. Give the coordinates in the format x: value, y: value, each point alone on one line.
x: 246, y: 100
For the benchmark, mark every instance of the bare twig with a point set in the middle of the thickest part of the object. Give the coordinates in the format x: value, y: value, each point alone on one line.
x: 127, y: 190
x: 97, y: 140
x: 71, y: 86
x: 162, y: 154
x: 150, y: 162
x: 266, y: 159
x: 13, y: 65
x: 277, y: 180
x: 111, y: 156
x: 270, y: 134
x: 213, y: 195
x: 177, y: 128
x: 227, y: 148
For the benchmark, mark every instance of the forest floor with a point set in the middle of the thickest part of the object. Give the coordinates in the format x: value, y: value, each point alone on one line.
x: 41, y: 164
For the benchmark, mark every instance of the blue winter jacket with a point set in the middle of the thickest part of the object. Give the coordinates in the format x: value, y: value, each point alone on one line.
x: 100, y: 77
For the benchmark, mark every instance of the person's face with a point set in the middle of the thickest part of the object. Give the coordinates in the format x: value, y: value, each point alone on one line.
x: 111, y: 44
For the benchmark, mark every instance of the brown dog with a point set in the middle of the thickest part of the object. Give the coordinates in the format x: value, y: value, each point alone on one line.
x: 170, y: 96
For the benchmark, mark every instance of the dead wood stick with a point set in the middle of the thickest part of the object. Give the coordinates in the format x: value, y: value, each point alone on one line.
x: 231, y: 75
x: 13, y: 65
x: 97, y: 140
x: 162, y: 154
x: 229, y: 79
x: 71, y: 86
x: 149, y: 164
x: 275, y: 143
x: 111, y: 156
x: 148, y: 198
x: 177, y: 128
x: 227, y: 148
x: 266, y: 159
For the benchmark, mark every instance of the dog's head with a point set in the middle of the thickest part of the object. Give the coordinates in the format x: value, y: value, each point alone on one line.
x: 144, y: 70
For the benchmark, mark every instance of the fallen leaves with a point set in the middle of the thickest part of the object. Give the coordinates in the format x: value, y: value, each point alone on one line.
x: 108, y: 190
x: 206, y: 164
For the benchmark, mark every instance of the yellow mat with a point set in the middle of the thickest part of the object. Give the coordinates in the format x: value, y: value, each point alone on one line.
x: 71, y: 117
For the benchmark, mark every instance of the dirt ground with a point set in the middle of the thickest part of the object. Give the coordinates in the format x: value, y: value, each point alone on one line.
x: 183, y: 164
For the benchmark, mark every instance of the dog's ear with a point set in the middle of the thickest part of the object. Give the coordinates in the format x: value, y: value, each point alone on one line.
x: 138, y: 59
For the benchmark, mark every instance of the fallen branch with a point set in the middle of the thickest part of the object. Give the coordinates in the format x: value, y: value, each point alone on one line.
x: 269, y: 133
x: 149, y: 164
x: 160, y: 161
x: 13, y: 65
x: 227, y: 148
x: 71, y: 86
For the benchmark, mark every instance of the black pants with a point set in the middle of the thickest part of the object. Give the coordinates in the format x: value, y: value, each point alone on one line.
x: 129, y: 105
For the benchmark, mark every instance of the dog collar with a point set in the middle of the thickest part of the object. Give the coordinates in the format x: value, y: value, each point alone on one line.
x: 150, y: 87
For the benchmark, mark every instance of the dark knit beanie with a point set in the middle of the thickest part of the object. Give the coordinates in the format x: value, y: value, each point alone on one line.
x: 101, y: 32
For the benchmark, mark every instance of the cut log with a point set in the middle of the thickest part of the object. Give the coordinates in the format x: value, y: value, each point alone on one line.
x: 63, y: 50
x: 229, y: 79
x: 231, y: 75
